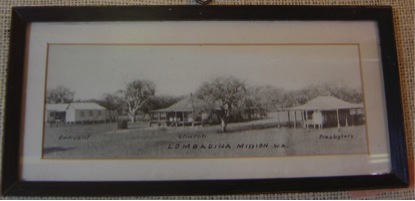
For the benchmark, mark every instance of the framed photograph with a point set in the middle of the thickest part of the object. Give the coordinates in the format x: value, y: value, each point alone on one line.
x: 185, y: 100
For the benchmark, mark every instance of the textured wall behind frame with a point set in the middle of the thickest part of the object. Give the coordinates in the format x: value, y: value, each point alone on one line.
x: 403, y: 11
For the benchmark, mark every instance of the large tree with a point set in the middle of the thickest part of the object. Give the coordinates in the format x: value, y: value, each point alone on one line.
x: 263, y: 99
x: 136, y: 94
x: 59, y: 94
x: 222, y: 96
x: 113, y: 101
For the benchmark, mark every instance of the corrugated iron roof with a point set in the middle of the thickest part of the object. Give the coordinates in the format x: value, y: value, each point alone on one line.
x: 325, y: 103
x: 57, y: 107
x: 187, y: 104
x: 86, y: 106
x: 76, y: 106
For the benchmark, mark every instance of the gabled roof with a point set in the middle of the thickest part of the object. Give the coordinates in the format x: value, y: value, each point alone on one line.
x: 325, y: 103
x: 57, y: 107
x: 76, y: 106
x: 85, y: 106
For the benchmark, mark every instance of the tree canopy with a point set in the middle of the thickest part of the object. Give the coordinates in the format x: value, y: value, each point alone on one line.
x: 136, y: 94
x: 222, y: 95
x: 226, y: 96
x: 60, y: 94
x: 113, y: 102
x: 335, y: 89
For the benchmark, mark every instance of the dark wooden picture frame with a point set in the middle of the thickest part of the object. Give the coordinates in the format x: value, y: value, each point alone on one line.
x: 13, y: 185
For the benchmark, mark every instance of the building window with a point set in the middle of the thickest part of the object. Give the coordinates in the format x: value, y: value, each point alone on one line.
x: 91, y: 113
x: 82, y: 113
x: 52, y: 114
x: 99, y: 113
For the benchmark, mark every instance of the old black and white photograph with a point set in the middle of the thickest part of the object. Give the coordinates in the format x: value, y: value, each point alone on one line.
x: 167, y: 101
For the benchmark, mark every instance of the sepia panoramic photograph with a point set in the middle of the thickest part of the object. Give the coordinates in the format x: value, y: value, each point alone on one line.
x: 145, y: 101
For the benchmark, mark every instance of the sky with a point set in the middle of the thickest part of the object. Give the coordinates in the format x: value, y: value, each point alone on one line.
x: 93, y: 70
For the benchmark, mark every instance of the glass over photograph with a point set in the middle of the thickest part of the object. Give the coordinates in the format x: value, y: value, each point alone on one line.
x: 144, y: 101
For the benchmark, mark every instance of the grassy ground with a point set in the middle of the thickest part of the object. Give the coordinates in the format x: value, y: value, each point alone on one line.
x: 254, y: 138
